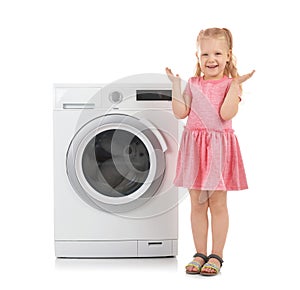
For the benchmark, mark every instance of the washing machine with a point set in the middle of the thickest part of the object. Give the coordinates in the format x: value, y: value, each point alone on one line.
x: 115, y: 148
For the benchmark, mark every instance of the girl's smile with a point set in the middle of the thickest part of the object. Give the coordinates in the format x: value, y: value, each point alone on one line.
x: 212, y: 66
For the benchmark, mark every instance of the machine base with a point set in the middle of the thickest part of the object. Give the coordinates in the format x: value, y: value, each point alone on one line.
x: 116, y: 249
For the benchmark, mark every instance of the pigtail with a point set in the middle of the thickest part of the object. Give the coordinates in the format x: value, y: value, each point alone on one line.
x: 198, y: 70
x: 198, y: 67
x: 230, y: 69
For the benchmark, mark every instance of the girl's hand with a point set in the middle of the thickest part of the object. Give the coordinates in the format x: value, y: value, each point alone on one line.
x: 243, y: 78
x: 173, y: 78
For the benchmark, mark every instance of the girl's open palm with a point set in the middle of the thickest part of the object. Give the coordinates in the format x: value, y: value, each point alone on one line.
x: 243, y: 78
x: 171, y: 76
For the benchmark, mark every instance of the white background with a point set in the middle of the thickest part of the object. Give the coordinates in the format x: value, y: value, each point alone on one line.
x: 46, y: 42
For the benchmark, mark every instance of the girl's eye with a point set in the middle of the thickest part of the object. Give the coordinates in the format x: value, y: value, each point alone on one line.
x: 204, y: 54
x: 218, y: 53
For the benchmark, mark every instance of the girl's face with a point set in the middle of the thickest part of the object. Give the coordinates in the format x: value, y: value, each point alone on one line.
x: 214, y: 54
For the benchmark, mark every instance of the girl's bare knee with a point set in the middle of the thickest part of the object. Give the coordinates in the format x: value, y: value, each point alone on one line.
x: 199, y: 201
x: 218, y: 202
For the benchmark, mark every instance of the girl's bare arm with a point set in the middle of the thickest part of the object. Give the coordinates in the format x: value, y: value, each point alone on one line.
x: 230, y: 105
x: 180, y: 103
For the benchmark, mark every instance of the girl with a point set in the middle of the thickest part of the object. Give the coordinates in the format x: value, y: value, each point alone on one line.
x: 209, y: 160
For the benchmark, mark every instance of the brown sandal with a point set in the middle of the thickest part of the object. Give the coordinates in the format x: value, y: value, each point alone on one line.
x: 212, y: 266
x: 196, y: 264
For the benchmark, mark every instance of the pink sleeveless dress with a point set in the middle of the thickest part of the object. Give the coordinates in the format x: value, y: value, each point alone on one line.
x: 209, y: 157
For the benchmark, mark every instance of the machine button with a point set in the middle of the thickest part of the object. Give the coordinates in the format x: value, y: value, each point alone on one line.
x: 115, y: 97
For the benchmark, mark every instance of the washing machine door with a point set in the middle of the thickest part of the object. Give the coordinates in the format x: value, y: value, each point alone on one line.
x: 116, y: 162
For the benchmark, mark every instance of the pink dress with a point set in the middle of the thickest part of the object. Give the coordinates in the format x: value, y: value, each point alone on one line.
x: 209, y: 157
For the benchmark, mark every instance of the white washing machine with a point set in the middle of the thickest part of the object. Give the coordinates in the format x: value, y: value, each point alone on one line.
x: 115, y: 149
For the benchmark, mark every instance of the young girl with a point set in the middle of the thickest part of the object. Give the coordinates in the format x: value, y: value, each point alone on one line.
x: 209, y: 160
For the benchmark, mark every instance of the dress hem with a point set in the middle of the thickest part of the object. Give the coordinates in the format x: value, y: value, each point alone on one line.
x: 215, y: 189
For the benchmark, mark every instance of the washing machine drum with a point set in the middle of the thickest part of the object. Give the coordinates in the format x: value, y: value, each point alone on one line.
x: 116, y: 162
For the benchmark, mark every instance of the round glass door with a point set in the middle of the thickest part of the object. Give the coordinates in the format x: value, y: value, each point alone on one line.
x: 116, y: 162
x: 121, y: 163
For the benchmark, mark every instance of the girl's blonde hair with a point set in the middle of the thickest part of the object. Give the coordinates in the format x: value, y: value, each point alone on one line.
x: 218, y: 33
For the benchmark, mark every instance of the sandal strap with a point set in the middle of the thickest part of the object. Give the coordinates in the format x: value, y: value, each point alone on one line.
x: 194, y: 264
x: 200, y: 255
x: 214, y: 256
x: 211, y: 266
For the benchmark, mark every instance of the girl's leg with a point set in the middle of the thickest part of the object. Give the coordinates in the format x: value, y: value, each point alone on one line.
x: 199, y: 222
x: 219, y: 223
